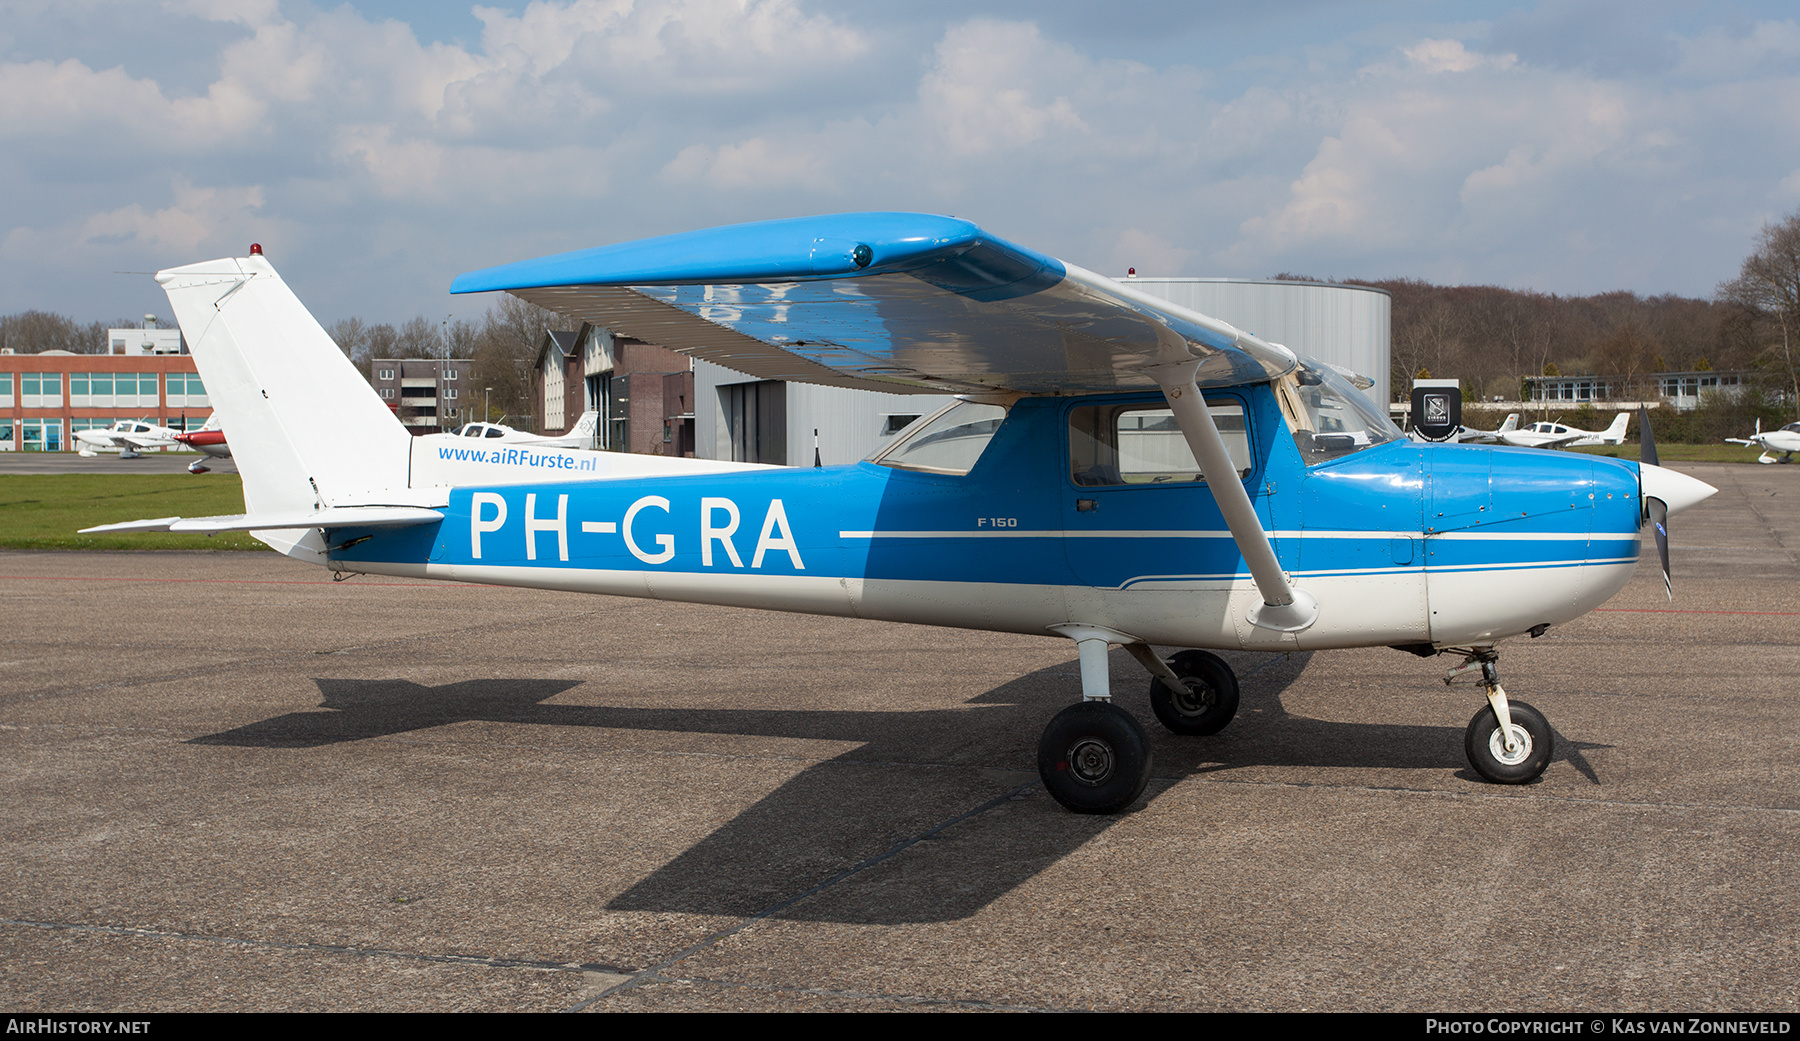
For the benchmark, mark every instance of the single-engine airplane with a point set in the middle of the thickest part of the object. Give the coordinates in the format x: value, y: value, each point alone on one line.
x: 1785, y: 440
x: 1559, y: 435
x: 128, y: 437
x: 1115, y: 470
x: 209, y: 441
x: 581, y: 435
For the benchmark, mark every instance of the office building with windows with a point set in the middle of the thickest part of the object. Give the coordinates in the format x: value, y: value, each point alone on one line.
x: 430, y: 395
x: 45, y: 398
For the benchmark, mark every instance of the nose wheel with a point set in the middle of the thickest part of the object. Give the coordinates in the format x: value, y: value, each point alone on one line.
x: 1517, y: 762
x: 1508, y: 742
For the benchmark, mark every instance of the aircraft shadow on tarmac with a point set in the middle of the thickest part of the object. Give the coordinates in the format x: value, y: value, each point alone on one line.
x: 828, y: 819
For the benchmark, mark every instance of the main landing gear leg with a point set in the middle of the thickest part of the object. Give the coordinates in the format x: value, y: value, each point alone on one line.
x: 1508, y: 742
x: 1094, y: 757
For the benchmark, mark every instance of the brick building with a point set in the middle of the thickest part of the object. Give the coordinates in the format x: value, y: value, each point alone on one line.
x: 643, y: 393
x: 45, y: 398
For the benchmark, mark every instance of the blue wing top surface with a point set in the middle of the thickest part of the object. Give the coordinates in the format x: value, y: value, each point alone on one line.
x: 883, y: 301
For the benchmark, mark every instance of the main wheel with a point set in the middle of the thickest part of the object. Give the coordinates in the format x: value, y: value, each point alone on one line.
x: 1487, y: 749
x: 1207, y: 702
x: 1094, y: 758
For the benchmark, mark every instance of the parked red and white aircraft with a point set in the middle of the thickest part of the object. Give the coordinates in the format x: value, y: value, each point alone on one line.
x: 1785, y: 440
x: 208, y: 440
x: 128, y: 437
x: 1558, y: 435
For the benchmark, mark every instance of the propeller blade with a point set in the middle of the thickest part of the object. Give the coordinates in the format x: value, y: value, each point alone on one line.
x: 1659, y: 523
x: 1647, y: 447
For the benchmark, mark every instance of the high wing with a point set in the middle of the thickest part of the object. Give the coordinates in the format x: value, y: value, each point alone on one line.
x: 896, y: 302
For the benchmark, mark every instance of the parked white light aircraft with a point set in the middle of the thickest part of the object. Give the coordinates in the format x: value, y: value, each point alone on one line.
x: 581, y: 435
x: 128, y: 437
x: 1065, y: 493
x: 1557, y: 435
x: 1785, y: 440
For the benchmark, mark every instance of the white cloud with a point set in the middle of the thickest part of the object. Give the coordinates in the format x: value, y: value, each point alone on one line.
x: 1428, y: 152
x: 990, y: 88
x: 199, y: 220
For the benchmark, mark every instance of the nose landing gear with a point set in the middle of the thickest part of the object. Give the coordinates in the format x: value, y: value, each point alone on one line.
x: 1508, y: 742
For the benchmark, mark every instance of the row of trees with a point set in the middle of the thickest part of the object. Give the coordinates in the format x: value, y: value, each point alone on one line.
x: 33, y: 332
x: 1491, y: 338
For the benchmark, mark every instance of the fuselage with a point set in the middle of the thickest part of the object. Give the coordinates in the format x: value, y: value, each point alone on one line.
x: 1401, y: 543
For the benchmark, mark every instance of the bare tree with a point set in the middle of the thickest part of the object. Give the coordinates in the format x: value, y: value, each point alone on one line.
x: 506, y: 349
x: 352, y: 337
x: 33, y: 332
x: 418, y: 338
x: 1768, y: 289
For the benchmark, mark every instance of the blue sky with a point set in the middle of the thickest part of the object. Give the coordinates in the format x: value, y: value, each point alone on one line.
x: 377, y: 149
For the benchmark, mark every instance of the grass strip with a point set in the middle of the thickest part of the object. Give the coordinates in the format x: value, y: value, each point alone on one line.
x: 44, y: 511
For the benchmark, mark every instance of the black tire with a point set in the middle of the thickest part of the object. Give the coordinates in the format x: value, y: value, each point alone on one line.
x: 1487, y: 754
x: 1094, y: 758
x: 1208, y: 703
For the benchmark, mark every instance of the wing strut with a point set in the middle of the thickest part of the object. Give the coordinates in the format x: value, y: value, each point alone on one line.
x: 1284, y: 608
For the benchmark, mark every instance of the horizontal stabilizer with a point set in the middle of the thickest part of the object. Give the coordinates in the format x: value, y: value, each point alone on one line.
x: 331, y: 517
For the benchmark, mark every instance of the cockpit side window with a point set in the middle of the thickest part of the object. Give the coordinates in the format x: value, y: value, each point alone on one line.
x: 1141, y: 443
x: 950, y: 442
x: 1329, y: 417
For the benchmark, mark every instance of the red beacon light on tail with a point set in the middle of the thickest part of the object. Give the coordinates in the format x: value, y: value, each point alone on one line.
x: 256, y: 249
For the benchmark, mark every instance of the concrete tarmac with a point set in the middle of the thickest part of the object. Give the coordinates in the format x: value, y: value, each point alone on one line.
x: 232, y: 784
x: 107, y: 463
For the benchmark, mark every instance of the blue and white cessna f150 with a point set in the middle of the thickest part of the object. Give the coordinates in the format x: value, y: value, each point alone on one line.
x: 1116, y: 470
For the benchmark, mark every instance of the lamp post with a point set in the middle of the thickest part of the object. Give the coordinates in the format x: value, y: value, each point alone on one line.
x: 486, y: 415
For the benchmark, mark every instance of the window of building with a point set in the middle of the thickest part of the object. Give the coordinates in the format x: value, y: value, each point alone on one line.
x: 387, y: 392
x: 6, y: 393
x: 449, y: 392
x: 40, y: 390
x: 386, y: 374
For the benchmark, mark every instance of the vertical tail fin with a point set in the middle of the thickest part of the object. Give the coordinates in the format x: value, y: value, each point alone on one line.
x: 306, y: 428
x: 1615, y: 434
x: 1511, y: 424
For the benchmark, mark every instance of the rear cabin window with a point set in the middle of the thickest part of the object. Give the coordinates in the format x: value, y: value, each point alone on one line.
x: 948, y: 443
x: 1141, y: 443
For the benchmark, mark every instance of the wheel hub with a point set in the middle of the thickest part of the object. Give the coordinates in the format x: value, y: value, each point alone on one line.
x: 1194, y: 697
x: 1091, y: 761
x: 1521, y: 746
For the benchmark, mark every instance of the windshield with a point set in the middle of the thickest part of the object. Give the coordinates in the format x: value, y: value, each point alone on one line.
x: 1330, y: 417
x: 948, y: 443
